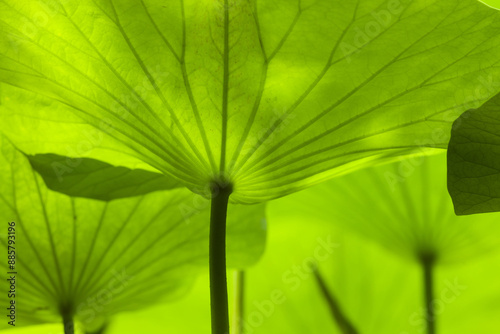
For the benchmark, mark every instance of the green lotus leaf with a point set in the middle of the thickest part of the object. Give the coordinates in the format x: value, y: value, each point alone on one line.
x: 474, y: 160
x: 272, y: 96
x: 95, y: 179
x: 404, y: 206
x: 91, y: 259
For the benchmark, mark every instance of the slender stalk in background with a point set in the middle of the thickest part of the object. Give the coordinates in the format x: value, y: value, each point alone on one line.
x: 69, y: 326
x: 427, y: 268
x: 338, y: 315
x: 239, y: 301
x: 218, y: 279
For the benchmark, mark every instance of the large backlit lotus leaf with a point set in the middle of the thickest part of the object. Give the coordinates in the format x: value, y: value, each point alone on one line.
x: 272, y: 95
x: 93, y: 258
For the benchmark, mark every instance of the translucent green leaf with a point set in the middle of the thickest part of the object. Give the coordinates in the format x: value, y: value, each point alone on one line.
x: 96, y: 179
x: 271, y: 95
x: 352, y: 268
x: 92, y: 259
x: 493, y: 3
x: 474, y: 160
x: 404, y: 206
x: 380, y: 292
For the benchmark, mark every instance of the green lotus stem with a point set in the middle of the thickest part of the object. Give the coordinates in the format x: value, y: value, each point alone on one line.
x: 428, y: 266
x: 218, y: 279
x: 239, y: 301
x: 69, y: 326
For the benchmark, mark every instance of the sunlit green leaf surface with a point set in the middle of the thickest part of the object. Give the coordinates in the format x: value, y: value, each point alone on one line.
x: 93, y: 259
x: 272, y: 95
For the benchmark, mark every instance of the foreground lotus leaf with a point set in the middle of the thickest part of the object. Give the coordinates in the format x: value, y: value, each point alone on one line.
x: 91, y: 259
x: 270, y: 96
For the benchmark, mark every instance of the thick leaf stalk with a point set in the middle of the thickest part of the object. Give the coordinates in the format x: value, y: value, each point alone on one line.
x: 218, y: 278
x: 69, y: 326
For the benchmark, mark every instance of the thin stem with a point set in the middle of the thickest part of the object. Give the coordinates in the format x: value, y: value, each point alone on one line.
x: 428, y: 266
x: 69, y: 326
x: 239, y: 301
x: 336, y: 311
x: 218, y: 279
